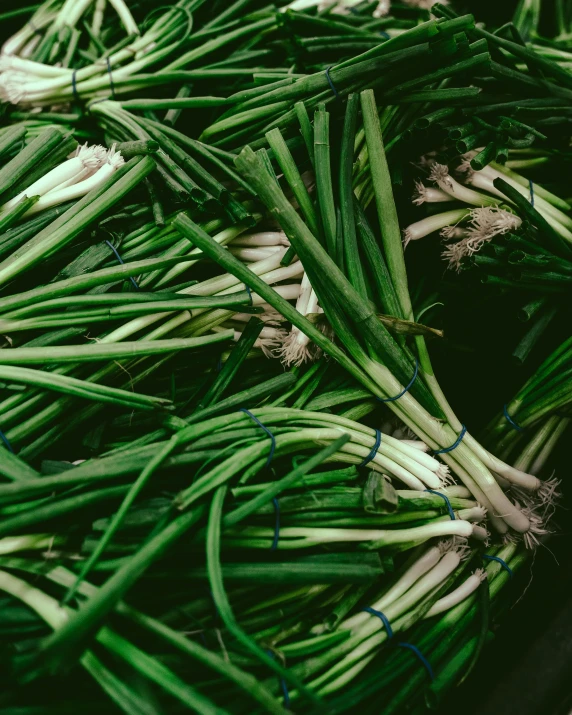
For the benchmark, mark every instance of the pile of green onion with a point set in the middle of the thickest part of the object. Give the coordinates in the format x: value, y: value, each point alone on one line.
x: 235, y: 473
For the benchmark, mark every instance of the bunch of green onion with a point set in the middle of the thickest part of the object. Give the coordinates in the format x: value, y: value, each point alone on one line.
x: 231, y: 480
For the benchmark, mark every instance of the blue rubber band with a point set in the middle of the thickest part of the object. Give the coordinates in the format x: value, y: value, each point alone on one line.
x: 374, y: 449
x: 268, y: 432
x: 111, y: 86
x: 285, y: 692
x: 531, y: 188
x: 74, y: 86
x: 382, y: 617
x: 458, y: 441
x: 384, y: 34
x: 406, y: 389
x: 283, y: 684
x: 249, y: 293
x: 97, y: 101
x: 446, y: 498
x: 6, y: 441
x: 511, y: 422
x: 330, y: 82
x: 276, y: 525
x: 116, y: 252
x: 219, y: 363
x: 426, y: 664
x: 506, y: 567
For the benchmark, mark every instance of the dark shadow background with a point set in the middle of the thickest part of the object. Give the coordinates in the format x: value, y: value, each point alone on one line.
x: 527, y: 669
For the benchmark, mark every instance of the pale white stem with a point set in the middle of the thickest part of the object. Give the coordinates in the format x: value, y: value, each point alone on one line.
x: 70, y: 13
x: 288, y: 292
x: 475, y: 514
x: 250, y: 255
x: 295, y: 350
x: 383, y: 464
x: 70, y: 169
x: 427, y: 194
x: 416, y: 444
x: 81, y: 176
x: 466, y: 589
x: 125, y: 16
x: 29, y: 48
x: 30, y: 68
x: 263, y: 238
x: 440, y: 175
x: 511, y: 474
x: 75, y: 191
x: 425, y: 563
x: 45, y: 606
x: 372, y: 633
x: 388, y: 537
x: 428, y: 225
x: 556, y: 218
x: 270, y: 317
x: 40, y: 19
x: 27, y: 542
x: 98, y: 14
x: 459, y: 491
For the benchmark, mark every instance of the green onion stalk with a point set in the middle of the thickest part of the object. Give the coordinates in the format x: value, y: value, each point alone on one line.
x: 379, y: 378
x: 201, y: 313
x: 35, y: 80
x: 540, y: 408
x: 466, y: 231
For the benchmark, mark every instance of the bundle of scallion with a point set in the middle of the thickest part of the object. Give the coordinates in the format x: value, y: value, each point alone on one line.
x: 250, y: 492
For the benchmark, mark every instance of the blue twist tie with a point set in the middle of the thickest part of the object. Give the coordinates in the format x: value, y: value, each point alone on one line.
x: 249, y: 293
x: 457, y: 442
x: 330, y: 82
x: 374, y: 449
x: 283, y: 684
x: 384, y: 34
x: 383, y: 618
x: 110, y: 78
x: 6, y: 441
x: 531, y: 188
x: 511, y: 422
x: 446, y: 498
x: 121, y: 261
x: 406, y: 389
x: 426, y: 664
x: 276, y: 525
x: 506, y: 567
x: 74, y: 86
x: 268, y: 432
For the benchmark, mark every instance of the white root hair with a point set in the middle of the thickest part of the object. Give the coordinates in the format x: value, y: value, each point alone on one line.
x: 440, y: 175
x: 451, y: 232
x: 427, y: 194
x: 485, y: 224
x: 296, y: 348
x: 407, y: 238
x: 114, y: 157
x: 271, y: 345
x: 549, y: 495
x: 446, y: 478
x: 481, y: 574
x: 456, y: 544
